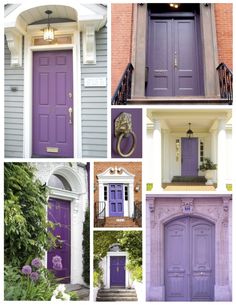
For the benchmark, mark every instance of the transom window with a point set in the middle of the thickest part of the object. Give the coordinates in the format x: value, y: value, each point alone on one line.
x: 59, y: 182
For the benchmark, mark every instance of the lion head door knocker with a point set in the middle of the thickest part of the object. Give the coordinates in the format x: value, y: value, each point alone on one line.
x: 123, y: 129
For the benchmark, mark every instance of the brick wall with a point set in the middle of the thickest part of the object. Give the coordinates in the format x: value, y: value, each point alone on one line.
x: 134, y: 168
x: 224, y: 27
x: 121, y: 38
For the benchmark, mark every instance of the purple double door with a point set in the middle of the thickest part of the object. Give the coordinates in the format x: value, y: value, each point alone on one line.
x: 173, y: 57
x: 117, y: 271
x: 116, y: 200
x: 52, y: 104
x: 189, y: 156
x: 189, y: 260
x: 59, y: 214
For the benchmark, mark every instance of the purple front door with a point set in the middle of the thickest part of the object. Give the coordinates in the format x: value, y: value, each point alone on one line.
x: 173, y: 58
x: 117, y: 271
x: 189, y: 156
x: 52, y: 104
x: 116, y: 200
x: 189, y: 260
x: 59, y: 213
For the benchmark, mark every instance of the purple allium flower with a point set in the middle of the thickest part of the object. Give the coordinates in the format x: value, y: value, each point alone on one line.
x: 26, y: 270
x: 34, y: 276
x: 57, y: 266
x: 56, y: 259
x: 36, y: 262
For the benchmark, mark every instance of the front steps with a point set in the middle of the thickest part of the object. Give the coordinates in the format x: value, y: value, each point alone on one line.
x: 189, y: 100
x: 119, y: 222
x: 116, y: 295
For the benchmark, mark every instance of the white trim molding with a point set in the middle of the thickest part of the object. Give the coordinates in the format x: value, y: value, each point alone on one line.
x: 14, y: 42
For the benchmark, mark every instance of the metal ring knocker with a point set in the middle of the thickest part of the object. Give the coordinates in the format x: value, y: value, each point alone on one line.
x: 123, y: 128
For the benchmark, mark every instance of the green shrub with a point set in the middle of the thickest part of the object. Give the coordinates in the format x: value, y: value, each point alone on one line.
x: 25, y: 225
x: 97, y: 278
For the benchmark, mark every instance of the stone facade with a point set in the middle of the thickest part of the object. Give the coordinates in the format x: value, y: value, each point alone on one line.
x: 76, y: 176
x: 160, y: 209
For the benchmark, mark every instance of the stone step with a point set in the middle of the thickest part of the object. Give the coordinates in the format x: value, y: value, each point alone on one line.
x: 119, y: 222
x: 177, y: 100
x: 114, y: 295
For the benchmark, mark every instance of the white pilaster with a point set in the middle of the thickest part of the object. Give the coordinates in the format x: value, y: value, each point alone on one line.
x: 221, y: 162
x: 157, y: 162
x: 166, y: 159
x: 131, y: 200
x: 214, y: 151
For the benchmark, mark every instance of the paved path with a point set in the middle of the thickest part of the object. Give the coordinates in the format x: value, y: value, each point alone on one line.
x: 82, y: 291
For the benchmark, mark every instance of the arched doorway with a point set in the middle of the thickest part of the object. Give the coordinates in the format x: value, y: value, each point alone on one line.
x: 189, y: 255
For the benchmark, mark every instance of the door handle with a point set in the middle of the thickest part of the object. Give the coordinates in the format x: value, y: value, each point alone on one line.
x: 70, y: 110
x: 175, y: 60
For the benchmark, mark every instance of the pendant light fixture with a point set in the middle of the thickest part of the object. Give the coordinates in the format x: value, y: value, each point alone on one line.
x: 48, y: 32
x: 174, y: 5
x: 189, y: 132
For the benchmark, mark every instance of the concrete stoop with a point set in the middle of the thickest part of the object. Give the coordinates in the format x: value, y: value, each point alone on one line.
x: 116, y: 295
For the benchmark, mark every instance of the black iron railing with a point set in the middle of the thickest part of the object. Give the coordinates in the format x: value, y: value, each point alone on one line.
x: 99, y: 213
x: 123, y: 91
x: 137, y: 217
x: 226, y: 82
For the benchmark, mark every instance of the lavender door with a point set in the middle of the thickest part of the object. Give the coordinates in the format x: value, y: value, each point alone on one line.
x: 116, y: 200
x: 189, y: 157
x: 59, y: 214
x: 189, y: 260
x: 52, y: 104
x: 117, y: 271
x: 173, y: 58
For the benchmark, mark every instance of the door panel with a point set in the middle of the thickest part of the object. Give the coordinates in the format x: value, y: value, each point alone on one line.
x: 189, y: 260
x: 173, y: 58
x: 59, y: 214
x: 160, y: 61
x: 52, y: 83
x: 189, y: 157
x: 185, y: 72
x: 116, y: 200
x: 117, y: 271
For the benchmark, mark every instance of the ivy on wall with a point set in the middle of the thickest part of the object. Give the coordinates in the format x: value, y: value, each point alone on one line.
x: 86, y: 248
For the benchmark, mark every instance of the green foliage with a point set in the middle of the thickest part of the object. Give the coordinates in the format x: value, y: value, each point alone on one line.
x: 25, y: 198
x: 86, y: 248
x: 149, y: 187
x: 21, y: 287
x: 207, y: 164
x: 130, y: 241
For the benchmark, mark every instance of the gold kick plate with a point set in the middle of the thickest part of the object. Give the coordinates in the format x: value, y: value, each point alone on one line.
x: 52, y: 149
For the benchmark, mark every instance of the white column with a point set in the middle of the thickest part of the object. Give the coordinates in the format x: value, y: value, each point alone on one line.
x: 166, y: 156
x: 221, y: 156
x: 157, y: 162
x: 214, y: 151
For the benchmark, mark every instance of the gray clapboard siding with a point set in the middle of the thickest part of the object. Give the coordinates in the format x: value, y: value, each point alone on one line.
x: 94, y: 103
x: 14, y: 77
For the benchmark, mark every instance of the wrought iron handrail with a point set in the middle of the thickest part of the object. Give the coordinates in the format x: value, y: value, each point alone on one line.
x: 123, y: 91
x: 225, y: 82
x: 99, y: 219
x: 137, y: 216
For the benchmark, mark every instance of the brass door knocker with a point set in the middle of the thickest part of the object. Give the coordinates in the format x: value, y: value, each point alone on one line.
x: 123, y: 128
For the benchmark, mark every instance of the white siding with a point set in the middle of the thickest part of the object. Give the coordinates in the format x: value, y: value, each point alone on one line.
x: 14, y: 77
x: 94, y: 102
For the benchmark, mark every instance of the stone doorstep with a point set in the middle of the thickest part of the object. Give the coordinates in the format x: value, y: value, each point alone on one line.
x: 189, y: 188
x: 177, y: 100
x: 82, y: 291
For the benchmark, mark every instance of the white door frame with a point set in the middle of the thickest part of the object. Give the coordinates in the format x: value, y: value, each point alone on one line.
x: 28, y: 90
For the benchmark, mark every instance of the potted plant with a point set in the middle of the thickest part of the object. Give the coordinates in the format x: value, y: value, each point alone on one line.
x: 208, y: 167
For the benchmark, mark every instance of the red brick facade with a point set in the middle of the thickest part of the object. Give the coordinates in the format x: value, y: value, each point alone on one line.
x: 224, y: 32
x: 134, y: 168
x: 121, y: 37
